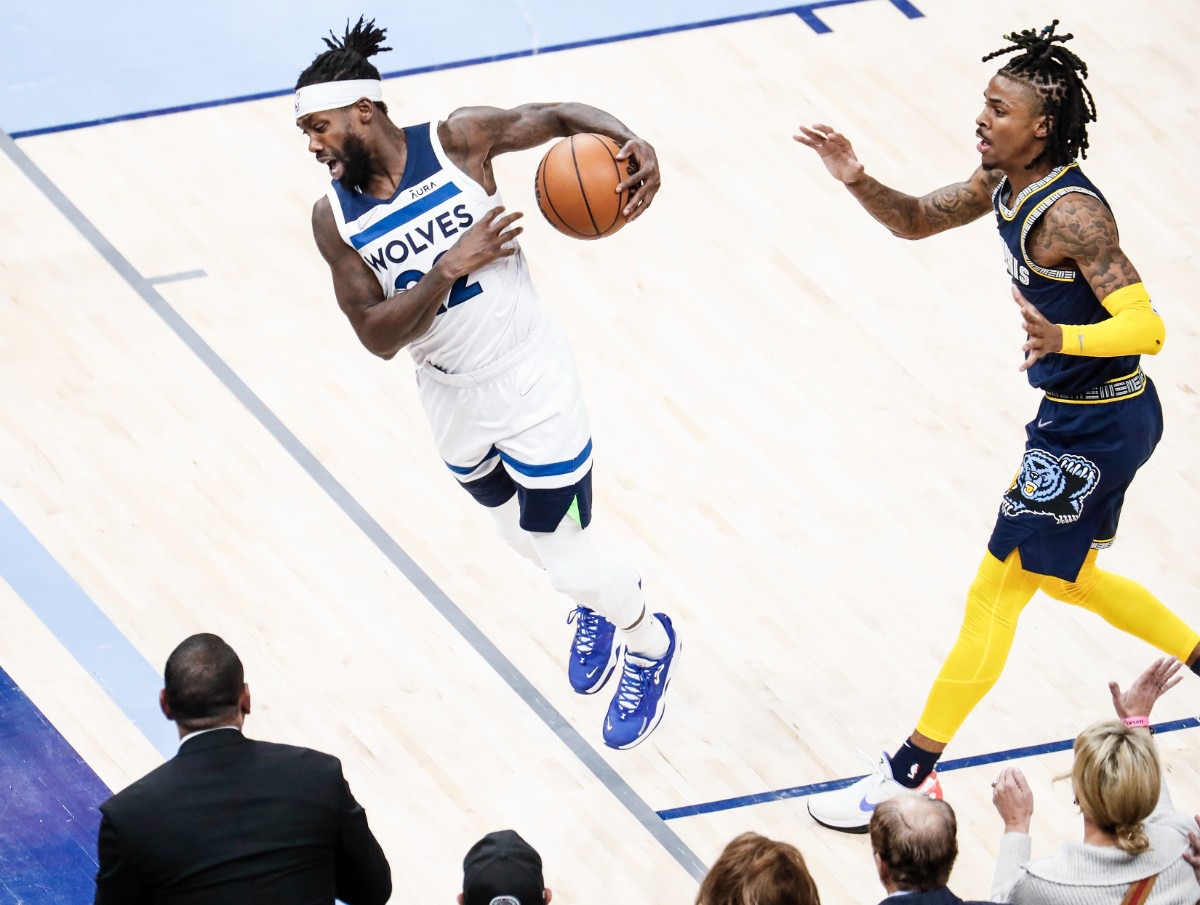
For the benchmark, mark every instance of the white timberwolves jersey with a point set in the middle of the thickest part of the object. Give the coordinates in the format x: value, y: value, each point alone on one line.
x: 487, y: 313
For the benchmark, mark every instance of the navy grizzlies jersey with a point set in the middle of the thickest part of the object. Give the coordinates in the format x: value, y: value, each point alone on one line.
x: 1062, y: 296
x: 487, y: 313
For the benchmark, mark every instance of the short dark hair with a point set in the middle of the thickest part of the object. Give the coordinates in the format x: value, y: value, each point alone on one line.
x: 753, y: 868
x: 347, y: 57
x: 916, y: 838
x: 203, y: 680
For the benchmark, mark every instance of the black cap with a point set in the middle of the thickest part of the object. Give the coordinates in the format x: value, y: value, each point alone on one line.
x: 502, y: 869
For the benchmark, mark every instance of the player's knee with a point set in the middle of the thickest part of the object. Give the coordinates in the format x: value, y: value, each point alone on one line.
x: 576, y: 578
x: 1076, y: 593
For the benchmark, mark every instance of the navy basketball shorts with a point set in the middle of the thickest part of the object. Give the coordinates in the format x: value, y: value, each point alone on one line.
x: 1066, y: 498
x: 518, y: 426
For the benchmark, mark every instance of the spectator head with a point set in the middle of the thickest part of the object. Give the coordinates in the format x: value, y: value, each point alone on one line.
x: 503, y: 869
x: 204, y: 686
x: 1117, y: 780
x: 915, y: 840
x: 753, y: 868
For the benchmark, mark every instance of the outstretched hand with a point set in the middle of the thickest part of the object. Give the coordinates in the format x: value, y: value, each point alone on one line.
x: 1160, y: 677
x: 835, y: 150
x: 1042, y: 337
x: 644, y: 178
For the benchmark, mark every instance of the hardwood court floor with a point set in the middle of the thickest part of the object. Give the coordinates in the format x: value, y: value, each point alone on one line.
x: 802, y: 429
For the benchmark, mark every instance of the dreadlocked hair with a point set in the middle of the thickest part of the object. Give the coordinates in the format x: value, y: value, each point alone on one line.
x: 347, y: 57
x: 1056, y: 74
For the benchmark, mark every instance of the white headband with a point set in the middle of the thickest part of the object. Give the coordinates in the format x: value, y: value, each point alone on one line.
x: 332, y: 95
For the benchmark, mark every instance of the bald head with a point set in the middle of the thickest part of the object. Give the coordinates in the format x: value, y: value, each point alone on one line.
x: 915, y: 840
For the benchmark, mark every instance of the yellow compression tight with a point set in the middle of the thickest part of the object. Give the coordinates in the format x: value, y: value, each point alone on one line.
x: 1126, y: 605
x: 994, y: 603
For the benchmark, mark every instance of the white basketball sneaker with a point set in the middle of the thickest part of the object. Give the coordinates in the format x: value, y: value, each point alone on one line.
x: 849, y: 810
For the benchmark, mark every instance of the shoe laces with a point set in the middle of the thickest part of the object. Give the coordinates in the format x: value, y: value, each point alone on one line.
x: 587, y: 629
x: 632, y: 687
x: 871, y: 762
x: 875, y: 766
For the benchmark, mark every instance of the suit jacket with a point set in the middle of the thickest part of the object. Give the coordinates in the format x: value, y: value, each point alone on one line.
x: 232, y: 821
x: 940, y: 896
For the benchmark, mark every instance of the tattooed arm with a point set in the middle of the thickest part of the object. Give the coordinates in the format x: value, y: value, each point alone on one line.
x: 1078, y: 232
x: 909, y: 217
x: 1079, y: 228
x: 905, y: 215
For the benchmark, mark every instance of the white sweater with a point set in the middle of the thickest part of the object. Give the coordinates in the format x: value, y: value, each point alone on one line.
x: 1083, y: 874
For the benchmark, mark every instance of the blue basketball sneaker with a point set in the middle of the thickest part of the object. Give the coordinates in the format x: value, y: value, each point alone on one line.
x: 638, y: 706
x: 594, y: 651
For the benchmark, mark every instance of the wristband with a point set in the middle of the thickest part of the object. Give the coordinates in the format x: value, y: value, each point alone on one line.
x: 1136, y: 722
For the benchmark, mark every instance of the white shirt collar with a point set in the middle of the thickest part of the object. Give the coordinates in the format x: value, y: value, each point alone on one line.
x: 192, y: 735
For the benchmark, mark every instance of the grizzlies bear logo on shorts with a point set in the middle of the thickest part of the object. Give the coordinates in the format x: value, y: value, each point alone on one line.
x: 1049, y: 485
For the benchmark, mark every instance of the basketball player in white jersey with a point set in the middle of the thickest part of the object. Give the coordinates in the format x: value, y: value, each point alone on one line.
x: 424, y: 257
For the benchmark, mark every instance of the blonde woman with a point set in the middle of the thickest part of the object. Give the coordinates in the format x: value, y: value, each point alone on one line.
x: 1133, y: 839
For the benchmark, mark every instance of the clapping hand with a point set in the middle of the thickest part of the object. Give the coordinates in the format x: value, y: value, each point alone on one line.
x: 1161, y: 676
x: 1013, y: 800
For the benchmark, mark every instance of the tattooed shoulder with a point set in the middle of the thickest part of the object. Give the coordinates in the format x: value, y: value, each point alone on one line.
x: 1080, y: 228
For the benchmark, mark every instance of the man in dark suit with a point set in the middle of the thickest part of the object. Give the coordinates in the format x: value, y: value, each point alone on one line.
x: 232, y: 820
x: 915, y: 840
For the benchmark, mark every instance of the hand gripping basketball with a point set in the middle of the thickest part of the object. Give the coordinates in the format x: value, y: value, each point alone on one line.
x: 583, y: 189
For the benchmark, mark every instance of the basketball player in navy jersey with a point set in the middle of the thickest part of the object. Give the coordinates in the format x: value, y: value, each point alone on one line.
x: 1088, y: 318
x: 425, y: 257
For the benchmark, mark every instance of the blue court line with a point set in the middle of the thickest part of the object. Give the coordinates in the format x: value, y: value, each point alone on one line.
x: 962, y: 763
x: 809, y: 15
x: 131, y: 694
x: 806, y: 12
x: 908, y: 9
x: 176, y: 277
x: 83, y: 629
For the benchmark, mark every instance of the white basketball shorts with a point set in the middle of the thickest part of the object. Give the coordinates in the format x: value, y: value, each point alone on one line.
x: 519, y: 426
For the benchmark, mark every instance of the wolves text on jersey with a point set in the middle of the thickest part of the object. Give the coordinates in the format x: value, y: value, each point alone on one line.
x: 419, y: 238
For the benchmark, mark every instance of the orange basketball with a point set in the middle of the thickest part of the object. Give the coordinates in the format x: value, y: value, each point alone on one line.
x: 576, y: 186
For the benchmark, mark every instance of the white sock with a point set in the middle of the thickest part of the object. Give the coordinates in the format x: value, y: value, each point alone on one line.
x: 648, y: 639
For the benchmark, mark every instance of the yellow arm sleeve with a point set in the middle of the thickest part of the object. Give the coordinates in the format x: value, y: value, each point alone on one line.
x: 1134, y: 328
